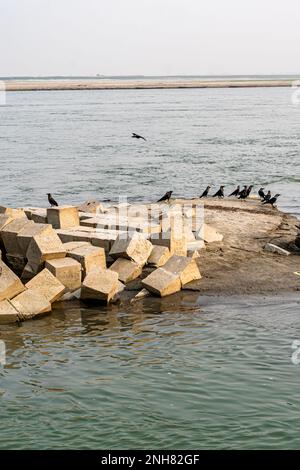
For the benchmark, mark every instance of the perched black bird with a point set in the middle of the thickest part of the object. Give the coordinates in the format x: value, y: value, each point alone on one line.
x: 52, y: 201
x: 166, y: 197
x: 244, y: 193
x: 272, y: 200
x: 205, y: 193
x: 236, y: 192
x: 220, y: 193
x: 267, y: 196
x: 249, y: 190
x: 137, y: 136
x: 261, y: 193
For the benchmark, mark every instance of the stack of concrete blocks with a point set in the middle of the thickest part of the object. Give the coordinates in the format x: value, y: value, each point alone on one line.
x: 61, y: 253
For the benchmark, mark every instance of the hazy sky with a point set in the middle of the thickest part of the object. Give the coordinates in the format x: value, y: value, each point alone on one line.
x: 149, y: 37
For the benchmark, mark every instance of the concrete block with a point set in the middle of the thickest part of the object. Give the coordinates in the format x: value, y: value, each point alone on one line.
x: 31, y: 303
x: 67, y: 236
x: 47, y: 285
x: 142, y: 294
x: 196, y: 245
x: 127, y: 270
x: 25, y: 235
x: 8, y: 313
x: 39, y: 216
x: 159, y: 255
x: 162, y: 283
x: 28, y: 272
x: 209, y: 234
x: 193, y: 254
x: 63, y: 217
x: 67, y: 271
x: 14, y: 213
x: 185, y: 268
x: 10, y: 231
x: 100, y: 285
x: 69, y: 246
x: 4, y: 220
x: 91, y: 206
x: 90, y: 257
x: 276, y: 249
x: 44, y: 246
x: 10, y: 284
x: 16, y: 262
x: 176, y: 242
x: 134, y: 247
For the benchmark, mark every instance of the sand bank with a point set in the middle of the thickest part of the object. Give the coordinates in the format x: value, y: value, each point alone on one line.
x: 136, y: 84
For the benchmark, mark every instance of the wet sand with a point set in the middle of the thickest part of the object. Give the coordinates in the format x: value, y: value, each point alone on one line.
x: 135, y: 84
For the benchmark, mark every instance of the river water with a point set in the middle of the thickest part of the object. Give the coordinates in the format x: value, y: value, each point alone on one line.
x: 184, y: 372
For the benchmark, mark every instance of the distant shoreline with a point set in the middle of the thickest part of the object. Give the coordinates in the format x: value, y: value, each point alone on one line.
x: 138, y: 84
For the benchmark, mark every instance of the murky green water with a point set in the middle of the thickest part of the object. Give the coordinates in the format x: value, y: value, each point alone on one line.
x: 159, y: 374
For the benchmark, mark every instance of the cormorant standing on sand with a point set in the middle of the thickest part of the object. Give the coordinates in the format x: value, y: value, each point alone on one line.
x: 205, y: 193
x: 244, y: 193
x: 166, y: 197
x: 220, y: 193
x: 137, y: 136
x: 261, y: 193
x: 52, y: 201
x: 236, y: 192
x: 249, y: 190
x: 267, y: 196
x: 272, y: 200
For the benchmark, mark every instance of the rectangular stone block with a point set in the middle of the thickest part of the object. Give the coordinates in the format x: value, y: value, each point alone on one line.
x: 186, y: 268
x: 209, y: 234
x: 39, y: 216
x: 67, y: 236
x: 47, y: 285
x: 44, y: 246
x: 127, y: 270
x: 25, y: 235
x: 135, y: 247
x: 176, y: 242
x: 162, y: 283
x: 10, y: 284
x: 30, y: 303
x: 63, y: 217
x: 16, y: 262
x: 159, y: 255
x: 10, y: 231
x: 4, y: 220
x: 100, y: 285
x: 69, y: 246
x: 8, y: 313
x: 67, y: 271
x: 91, y: 207
x: 14, y: 213
x: 90, y: 257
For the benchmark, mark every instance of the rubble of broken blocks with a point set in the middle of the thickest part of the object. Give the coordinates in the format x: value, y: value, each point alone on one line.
x: 91, y: 253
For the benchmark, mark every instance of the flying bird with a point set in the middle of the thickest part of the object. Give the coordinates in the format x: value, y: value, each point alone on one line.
x: 220, y: 193
x: 236, y: 192
x: 205, y: 192
x: 137, y: 136
x: 166, y: 197
x: 272, y: 200
x: 52, y: 201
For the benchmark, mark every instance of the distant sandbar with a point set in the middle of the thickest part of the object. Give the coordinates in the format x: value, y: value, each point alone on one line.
x: 137, y: 84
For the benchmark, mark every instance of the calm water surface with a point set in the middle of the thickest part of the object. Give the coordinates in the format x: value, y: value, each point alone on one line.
x: 185, y: 372
x: 189, y: 371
